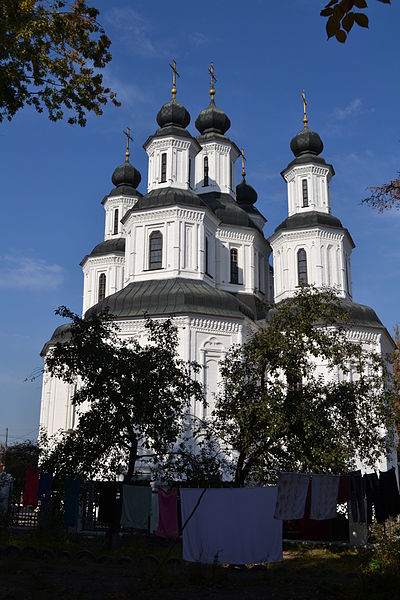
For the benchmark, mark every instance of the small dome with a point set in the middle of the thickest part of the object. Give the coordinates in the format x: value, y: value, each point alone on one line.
x: 245, y: 193
x: 173, y: 113
x: 306, y: 141
x: 212, y: 120
x: 126, y: 174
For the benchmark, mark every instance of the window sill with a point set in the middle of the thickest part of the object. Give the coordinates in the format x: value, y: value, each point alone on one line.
x: 235, y: 283
x: 208, y: 275
x: 149, y: 270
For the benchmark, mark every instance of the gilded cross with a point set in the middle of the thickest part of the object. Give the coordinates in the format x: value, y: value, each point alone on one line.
x: 213, y: 79
x: 305, y: 120
x: 243, y: 161
x: 128, y: 137
x: 175, y: 73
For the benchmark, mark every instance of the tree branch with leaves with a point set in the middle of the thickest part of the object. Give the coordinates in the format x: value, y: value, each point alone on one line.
x: 51, y: 55
x: 342, y: 15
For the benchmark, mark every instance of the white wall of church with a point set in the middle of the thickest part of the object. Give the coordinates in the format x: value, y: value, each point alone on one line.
x: 328, y: 260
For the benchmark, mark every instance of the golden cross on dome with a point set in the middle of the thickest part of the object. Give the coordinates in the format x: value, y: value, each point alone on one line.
x: 128, y: 137
x: 213, y: 80
x: 305, y: 120
x: 243, y: 161
x: 175, y: 73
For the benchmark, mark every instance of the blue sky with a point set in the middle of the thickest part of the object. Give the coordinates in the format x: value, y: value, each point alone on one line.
x: 53, y: 176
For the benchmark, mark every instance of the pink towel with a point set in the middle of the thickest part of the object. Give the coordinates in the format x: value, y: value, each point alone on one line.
x: 168, y: 514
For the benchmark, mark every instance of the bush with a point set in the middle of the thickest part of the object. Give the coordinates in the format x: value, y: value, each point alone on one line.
x: 386, y: 552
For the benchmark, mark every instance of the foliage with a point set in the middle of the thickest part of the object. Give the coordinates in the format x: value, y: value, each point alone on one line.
x: 51, y: 53
x: 385, y: 196
x: 342, y: 15
x: 277, y: 411
x: 197, y: 462
x: 130, y: 398
x: 386, y: 548
x: 17, y: 458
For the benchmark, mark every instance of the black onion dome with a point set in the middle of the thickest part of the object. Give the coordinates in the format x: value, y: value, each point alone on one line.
x: 173, y: 113
x: 306, y: 142
x: 212, y: 120
x: 245, y: 193
x: 126, y: 175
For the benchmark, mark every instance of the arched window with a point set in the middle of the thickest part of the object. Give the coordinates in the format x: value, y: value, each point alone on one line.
x: 102, y: 287
x: 234, y: 266
x: 190, y: 173
x: 116, y: 212
x: 305, y: 193
x: 155, y: 250
x: 302, y: 267
x: 205, y: 178
x: 163, y: 167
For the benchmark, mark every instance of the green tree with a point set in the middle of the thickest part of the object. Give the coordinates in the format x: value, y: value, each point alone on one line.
x: 342, y: 15
x: 51, y: 54
x: 277, y: 411
x: 16, y: 460
x: 131, y: 399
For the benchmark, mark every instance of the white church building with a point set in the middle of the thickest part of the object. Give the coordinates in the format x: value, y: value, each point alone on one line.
x: 193, y: 248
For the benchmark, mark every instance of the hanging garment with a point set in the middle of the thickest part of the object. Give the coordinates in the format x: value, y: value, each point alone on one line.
x: 136, y: 506
x: 390, y: 493
x: 324, y: 493
x: 71, y: 501
x: 374, y: 497
x: 45, y: 483
x: 357, y: 495
x: 314, y: 530
x: 168, y: 514
x: 6, y: 482
x: 292, y: 493
x: 88, y: 519
x: 154, y: 513
x: 344, y: 489
x: 31, y: 488
x: 110, y: 503
x: 234, y: 525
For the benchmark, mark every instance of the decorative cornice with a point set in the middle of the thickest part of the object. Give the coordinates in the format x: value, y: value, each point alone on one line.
x: 215, y: 325
x: 167, y: 214
x: 110, y: 259
x: 170, y: 142
x: 306, y: 170
x: 322, y: 232
x: 231, y: 234
x: 128, y: 201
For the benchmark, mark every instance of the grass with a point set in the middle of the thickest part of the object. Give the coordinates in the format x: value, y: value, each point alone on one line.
x: 58, y: 565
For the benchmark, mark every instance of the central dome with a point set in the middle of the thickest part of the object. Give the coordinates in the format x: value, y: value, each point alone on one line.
x: 212, y: 120
x: 306, y: 142
x: 173, y: 113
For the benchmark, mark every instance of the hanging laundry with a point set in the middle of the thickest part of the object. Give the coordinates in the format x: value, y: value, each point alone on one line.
x: 89, y: 506
x: 231, y: 525
x: 390, y: 493
x: 45, y: 483
x: 154, y: 513
x: 30, y: 497
x: 6, y: 482
x: 314, y: 530
x: 292, y: 493
x: 344, y: 489
x: 110, y: 503
x: 357, y: 495
x: 324, y: 493
x: 168, y: 514
x: 374, y: 497
x: 136, y: 506
x: 71, y: 501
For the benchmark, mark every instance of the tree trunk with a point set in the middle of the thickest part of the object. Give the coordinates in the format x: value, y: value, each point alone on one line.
x: 239, y: 480
x: 132, y: 461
